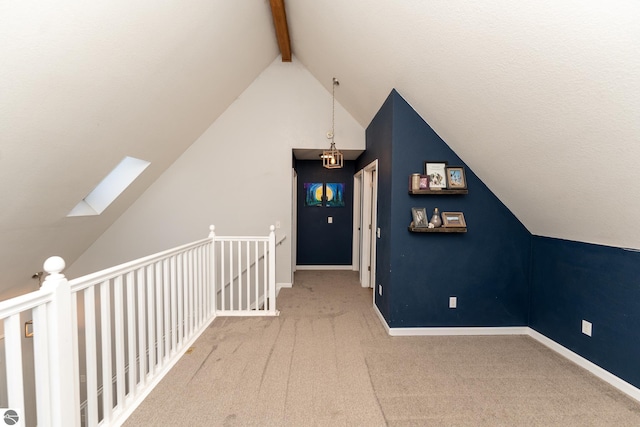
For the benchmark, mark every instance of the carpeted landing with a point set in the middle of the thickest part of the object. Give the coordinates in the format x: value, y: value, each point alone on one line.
x: 327, y: 361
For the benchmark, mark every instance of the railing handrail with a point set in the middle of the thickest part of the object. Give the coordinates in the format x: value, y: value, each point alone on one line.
x: 24, y: 302
x: 88, y: 280
x: 162, y: 301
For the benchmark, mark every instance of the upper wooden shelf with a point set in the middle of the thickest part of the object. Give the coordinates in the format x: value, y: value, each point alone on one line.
x: 438, y: 230
x: 440, y: 192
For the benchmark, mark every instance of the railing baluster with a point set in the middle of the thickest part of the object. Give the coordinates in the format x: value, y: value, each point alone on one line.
x: 151, y: 324
x: 167, y: 307
x: 105, y: 331
x: 222, y: 277
x: 91, y: 355
x: 159, y: 315
x: 174, y: 305
x: 265, y: 294
x: 41, y: 350
x: 239, y: 275
x: 118, y: 312
x: 232, y: 306
x: 142, y: 326
x: 257, y: 274
x: 13, y: 352
x: 191, y: 291
x: 131, y: 333
x: 180, y: 297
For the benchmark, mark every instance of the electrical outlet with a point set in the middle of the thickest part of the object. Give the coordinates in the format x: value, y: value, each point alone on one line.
x: 587, y: 327
x: 453, y: 302
x: 330, y: 219
x: 380, y: 289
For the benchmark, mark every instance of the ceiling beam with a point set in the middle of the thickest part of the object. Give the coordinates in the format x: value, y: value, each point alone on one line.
x: 282, y: 30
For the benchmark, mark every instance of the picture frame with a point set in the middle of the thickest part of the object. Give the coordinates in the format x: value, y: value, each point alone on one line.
x: 313, y: 193
x: 436, y: 171
x: 334, y: 194
x: 453, y: 220
x: 424, y: 182
x: 419, y: 217
x: 456, y: 179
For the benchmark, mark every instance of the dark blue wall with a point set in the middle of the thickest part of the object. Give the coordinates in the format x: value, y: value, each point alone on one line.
x: 572, y: 281
x: 487, y: 268
x: 501, y: 274
x: 378, y: 138
x: 321, y: 243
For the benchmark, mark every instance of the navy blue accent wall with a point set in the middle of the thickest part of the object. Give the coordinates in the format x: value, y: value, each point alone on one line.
x: 378, y: 139
x: 572, y: 281
x: 487, y: 268
x: 321, y: 243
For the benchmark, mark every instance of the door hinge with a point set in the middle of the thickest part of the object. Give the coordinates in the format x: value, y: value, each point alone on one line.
x: 369, y: 226
x: 369, y: 268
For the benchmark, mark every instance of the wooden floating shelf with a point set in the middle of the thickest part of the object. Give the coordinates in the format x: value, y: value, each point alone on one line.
x: 438, y: 230
x: 442, y: 192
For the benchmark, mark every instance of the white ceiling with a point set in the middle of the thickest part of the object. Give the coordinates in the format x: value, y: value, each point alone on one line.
x: 540, y: 98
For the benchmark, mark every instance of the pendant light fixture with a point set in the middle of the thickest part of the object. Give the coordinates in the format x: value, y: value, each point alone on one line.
x: 332, y: 158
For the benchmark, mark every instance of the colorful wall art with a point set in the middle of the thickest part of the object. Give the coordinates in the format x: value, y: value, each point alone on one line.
x: 335, y: 194
x: 313, y: 193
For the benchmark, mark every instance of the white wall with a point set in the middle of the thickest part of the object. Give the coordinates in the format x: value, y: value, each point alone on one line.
x: 237, y: 175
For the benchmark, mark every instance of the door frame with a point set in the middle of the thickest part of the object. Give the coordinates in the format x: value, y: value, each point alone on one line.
x: 369, y: 235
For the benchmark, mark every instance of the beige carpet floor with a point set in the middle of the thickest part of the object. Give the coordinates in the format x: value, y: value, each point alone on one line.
x: 327, y: 361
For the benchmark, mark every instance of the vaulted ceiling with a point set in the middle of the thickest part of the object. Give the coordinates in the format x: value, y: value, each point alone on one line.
x: 541, y: 99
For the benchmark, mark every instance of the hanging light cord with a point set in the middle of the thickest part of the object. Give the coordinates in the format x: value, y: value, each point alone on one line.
x: 333, y: 111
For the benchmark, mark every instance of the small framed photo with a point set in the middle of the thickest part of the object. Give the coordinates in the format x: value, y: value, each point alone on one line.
x: 419, y: 217
x: 436, y: 171
x: 424, y: 182
x: 453, y: 219
x: 456, y: 179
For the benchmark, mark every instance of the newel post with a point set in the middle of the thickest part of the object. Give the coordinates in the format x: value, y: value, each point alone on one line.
x: 212, y: 270
x: 272, y: 269
x: 63, y: 394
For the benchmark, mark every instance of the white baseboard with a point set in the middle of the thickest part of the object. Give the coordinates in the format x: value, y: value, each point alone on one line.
x: 599, y: 372
x: 282, y: 285
x: 596, y: 370
x: 324, y: 267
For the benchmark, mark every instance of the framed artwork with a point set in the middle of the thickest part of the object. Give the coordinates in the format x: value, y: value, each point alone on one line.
x: 456, y: 179
x: 313, y: 193
x: 419, y: 217
x: 436, y: 171
x: 424, y: 182
x: 335, y: 194
x: 453, y: 219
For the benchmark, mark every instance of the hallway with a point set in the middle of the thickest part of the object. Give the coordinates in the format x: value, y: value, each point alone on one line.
x: 327, y: 360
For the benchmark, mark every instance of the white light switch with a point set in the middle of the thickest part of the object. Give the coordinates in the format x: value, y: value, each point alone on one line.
x: 453, y: 302
x: 330, y: 219
x: 586, y: 327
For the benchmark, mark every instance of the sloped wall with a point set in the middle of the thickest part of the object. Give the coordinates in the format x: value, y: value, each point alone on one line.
x: 487, y: 268
x: 237, y: 175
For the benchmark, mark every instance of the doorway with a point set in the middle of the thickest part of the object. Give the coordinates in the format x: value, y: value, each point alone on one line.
x: 368, y: 225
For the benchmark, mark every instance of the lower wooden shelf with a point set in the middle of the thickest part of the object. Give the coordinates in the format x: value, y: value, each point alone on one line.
x: 438, y: 230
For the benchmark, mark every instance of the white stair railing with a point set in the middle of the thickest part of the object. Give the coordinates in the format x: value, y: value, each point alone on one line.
x: 127, y: 326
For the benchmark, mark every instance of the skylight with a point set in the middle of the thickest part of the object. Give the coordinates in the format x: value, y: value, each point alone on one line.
x: 110, y: 187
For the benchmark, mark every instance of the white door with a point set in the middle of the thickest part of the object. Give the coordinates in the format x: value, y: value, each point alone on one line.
x: 369, y: 225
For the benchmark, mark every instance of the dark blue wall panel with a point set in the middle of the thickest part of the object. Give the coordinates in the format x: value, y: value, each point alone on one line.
x: 321, y: 243
x: 486, y: 268
x: 378, y: 140
x: 572, y: 281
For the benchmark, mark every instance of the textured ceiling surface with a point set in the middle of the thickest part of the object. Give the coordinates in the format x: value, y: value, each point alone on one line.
x: 540, y: 100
